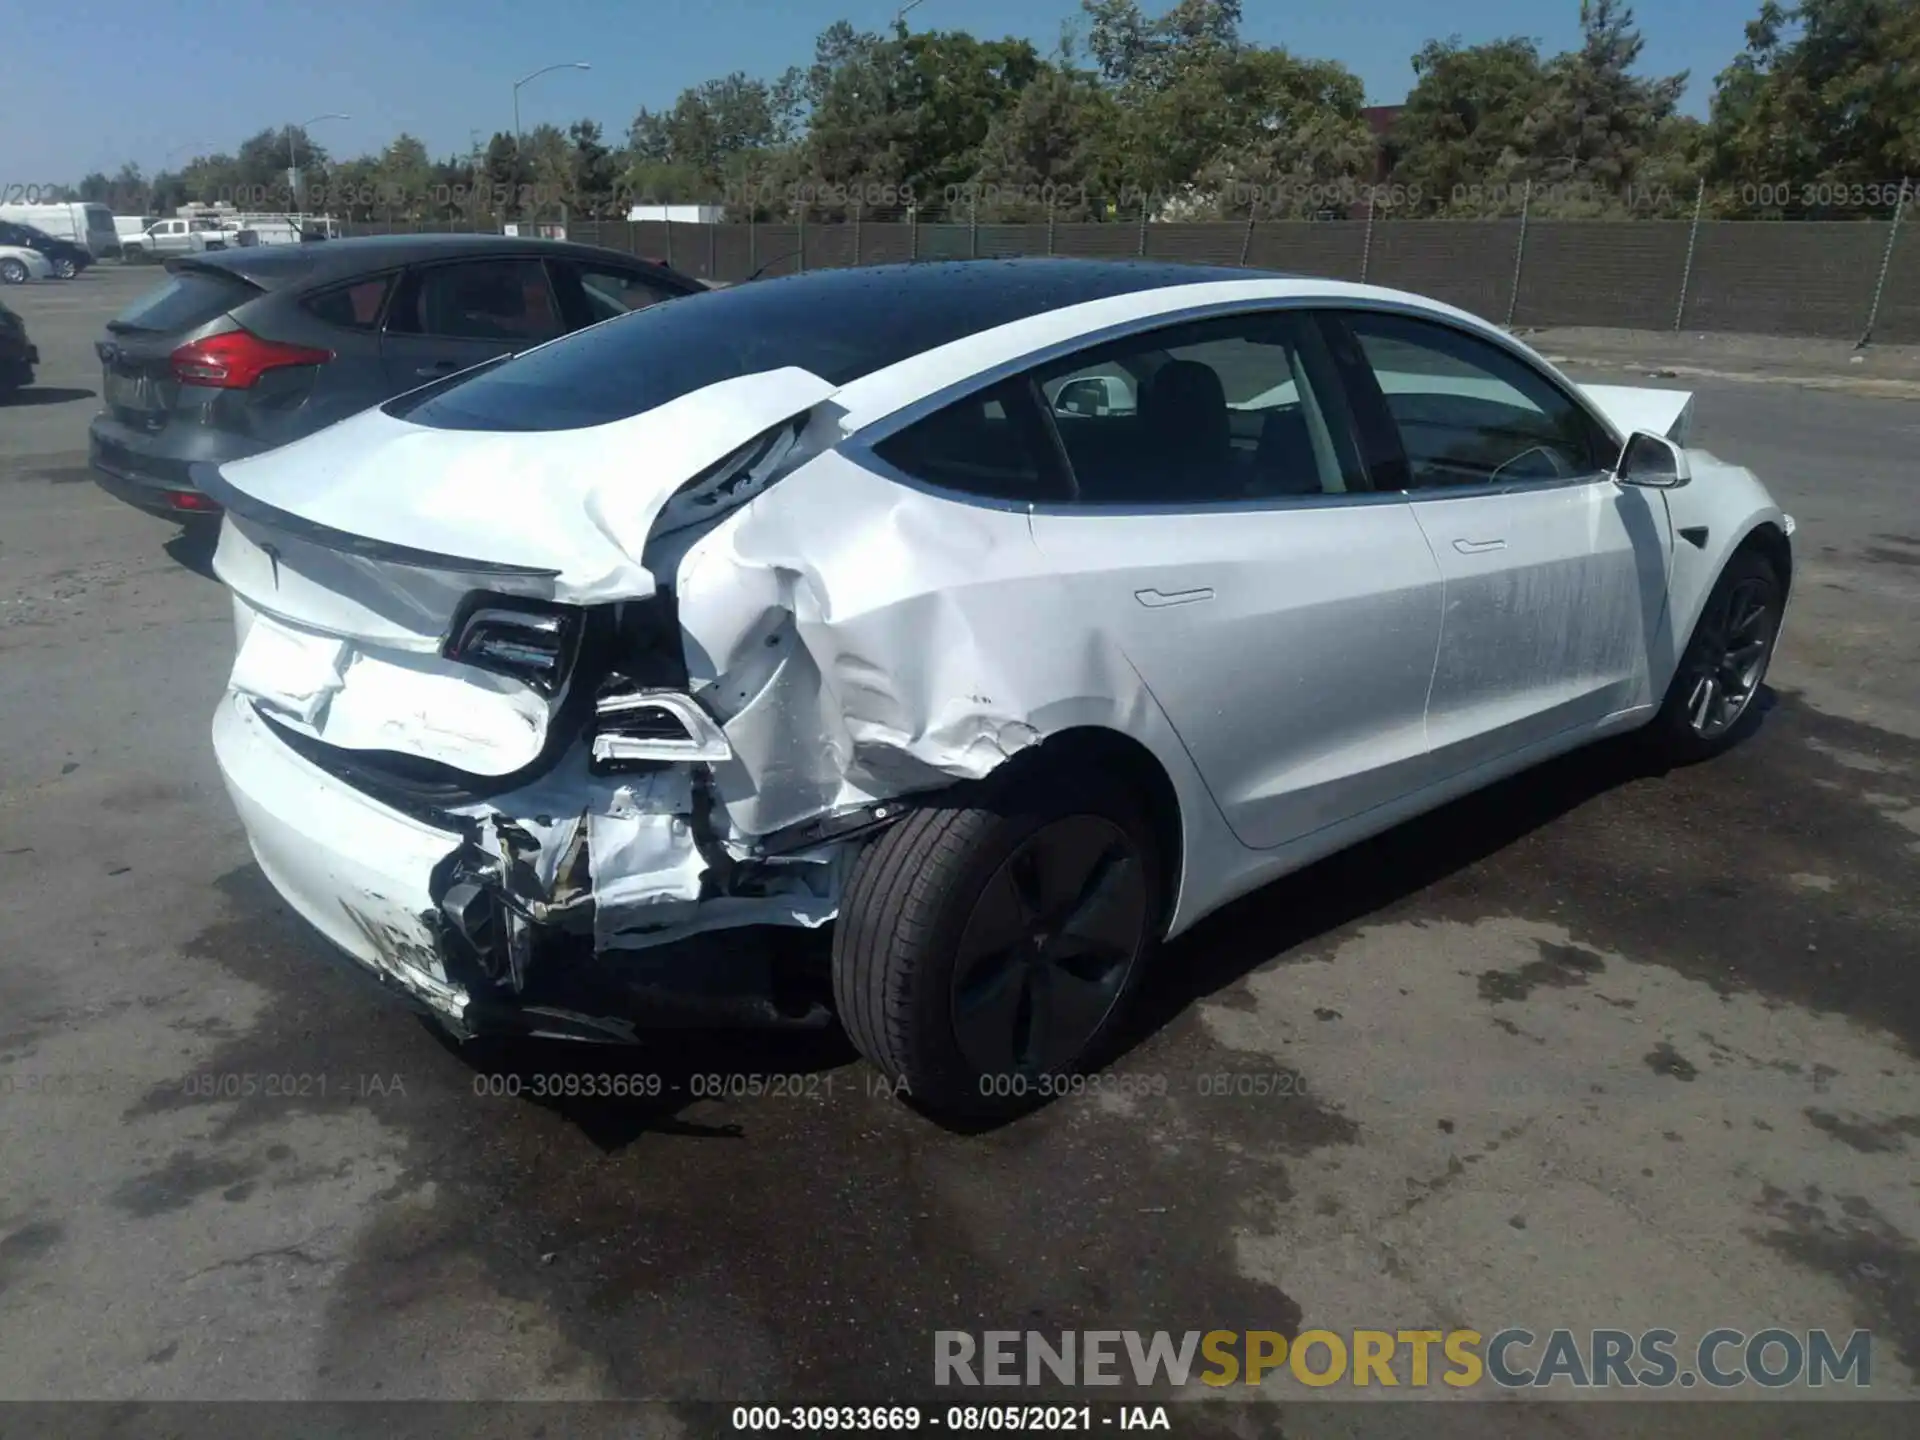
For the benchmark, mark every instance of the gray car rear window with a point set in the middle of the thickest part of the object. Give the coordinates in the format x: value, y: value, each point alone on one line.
x: 837, y: 324
x: 183, y: 301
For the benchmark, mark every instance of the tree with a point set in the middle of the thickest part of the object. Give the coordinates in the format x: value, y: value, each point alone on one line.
x: 1296, y: 141
x: 1460, y: 133
x: 717, y: 136
x: 402, y: 178
x: 1597, y: 122
x: 593, y: 169
x: 895, y: 120
x: 1135, y: 53
x: 1828, y: 92
x: 1044, y: 153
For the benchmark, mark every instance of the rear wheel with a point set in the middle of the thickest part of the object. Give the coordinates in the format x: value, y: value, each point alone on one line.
x: 985, y: 950
x: 65, y: 269
x: 1724, y: 664
x: 12, y: 271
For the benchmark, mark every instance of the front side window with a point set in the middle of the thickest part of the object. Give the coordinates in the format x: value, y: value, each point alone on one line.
x: 507, y: 301
x: 1203, y: 413
x: 1467, y: 412
x: 610, y: 293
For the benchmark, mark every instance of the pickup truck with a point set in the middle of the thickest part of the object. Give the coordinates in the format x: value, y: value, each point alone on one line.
x: 166, y: 238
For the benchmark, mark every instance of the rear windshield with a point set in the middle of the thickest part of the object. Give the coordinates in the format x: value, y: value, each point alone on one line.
x: 185, y: 300
x: 837, y: 324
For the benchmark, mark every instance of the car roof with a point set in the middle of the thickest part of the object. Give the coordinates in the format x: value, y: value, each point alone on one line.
x: 838, y: 325
x: 1006, y: 288
x: 326, y: 261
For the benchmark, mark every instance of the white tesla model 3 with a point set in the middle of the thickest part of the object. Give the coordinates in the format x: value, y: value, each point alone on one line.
x: 1009, y: 616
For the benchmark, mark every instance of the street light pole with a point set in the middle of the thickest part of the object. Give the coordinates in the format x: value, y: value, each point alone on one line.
x: 293, y: 149
x: 544, y: 69
x: 562, y: 65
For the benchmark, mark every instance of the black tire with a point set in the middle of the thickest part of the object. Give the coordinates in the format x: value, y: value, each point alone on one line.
x: 12, y: 272
x: 916, y: 889
x: 65, y: 269
x: 1674, y: 734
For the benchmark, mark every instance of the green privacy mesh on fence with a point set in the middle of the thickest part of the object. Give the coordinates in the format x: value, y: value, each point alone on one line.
x: 1831, y: 278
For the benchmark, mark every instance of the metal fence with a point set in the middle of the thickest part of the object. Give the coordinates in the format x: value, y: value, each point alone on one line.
x: 1837, y: 279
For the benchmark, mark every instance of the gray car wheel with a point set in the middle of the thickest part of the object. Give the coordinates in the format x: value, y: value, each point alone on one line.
x: 1724, y: 665
x: 12, y: 271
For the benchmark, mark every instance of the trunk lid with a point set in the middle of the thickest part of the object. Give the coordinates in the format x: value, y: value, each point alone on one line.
x: 352, y: 553
x: 137, y: 381
x: 574, y: 506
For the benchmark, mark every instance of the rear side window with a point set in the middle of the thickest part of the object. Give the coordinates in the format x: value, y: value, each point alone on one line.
x: 351, y: 307
x: 500, y: 300
x: 185, y: 300
x: 991, y: 444
x: 1203, y: 414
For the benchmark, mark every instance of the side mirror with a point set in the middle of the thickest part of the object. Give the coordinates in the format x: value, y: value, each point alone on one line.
x: 1082, y: 397
x: 1653, y: 461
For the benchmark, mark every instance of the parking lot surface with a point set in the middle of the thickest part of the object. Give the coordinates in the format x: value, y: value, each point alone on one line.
x: 1595, y: 1048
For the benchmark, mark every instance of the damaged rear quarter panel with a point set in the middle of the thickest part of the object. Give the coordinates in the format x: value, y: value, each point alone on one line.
x: 861, y: 639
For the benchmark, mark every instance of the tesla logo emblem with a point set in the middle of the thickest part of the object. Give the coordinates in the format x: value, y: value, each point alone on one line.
x: 273, y: 555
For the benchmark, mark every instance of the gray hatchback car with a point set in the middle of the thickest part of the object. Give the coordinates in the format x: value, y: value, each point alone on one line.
x: 243, y: 350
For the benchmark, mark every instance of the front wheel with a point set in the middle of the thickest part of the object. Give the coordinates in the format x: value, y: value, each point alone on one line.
x: 985, y: 950
x: 1724, y: 664
x: 13, y: 272
x: 65, y: 269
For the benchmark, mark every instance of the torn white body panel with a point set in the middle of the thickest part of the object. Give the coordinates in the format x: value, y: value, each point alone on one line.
x: 358, y: 872
x: 577, y: 503
x: 357, y: 698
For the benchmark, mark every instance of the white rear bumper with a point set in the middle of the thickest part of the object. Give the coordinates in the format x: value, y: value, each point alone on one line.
x: 358, y: 872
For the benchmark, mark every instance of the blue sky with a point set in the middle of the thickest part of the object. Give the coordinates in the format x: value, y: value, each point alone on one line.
x: 88, y: 84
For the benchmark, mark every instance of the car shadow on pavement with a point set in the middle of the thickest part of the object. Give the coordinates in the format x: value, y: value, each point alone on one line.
x: 192, y: 548
x: 1376, y: 874
x: 614, y: 1094
x: 45, y: 395
x: 670, y: 1070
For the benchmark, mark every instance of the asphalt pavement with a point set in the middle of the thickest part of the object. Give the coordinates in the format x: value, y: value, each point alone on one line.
x: 1597, y: 1047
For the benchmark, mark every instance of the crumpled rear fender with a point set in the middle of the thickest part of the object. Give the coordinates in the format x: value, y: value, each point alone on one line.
x: 861, y: 640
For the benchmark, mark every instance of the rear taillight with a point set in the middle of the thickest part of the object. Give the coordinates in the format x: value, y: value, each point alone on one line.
x: 526, y: 639
x: 633, y: 724
x: 190, y: 500
x: 235, y: 360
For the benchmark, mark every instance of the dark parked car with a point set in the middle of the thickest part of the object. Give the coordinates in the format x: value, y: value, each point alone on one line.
x: 67, y: 258
x: 243, y: 350
x: 17, y: 354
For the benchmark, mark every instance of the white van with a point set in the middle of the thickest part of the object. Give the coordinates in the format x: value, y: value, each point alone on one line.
x: 81, y: 222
